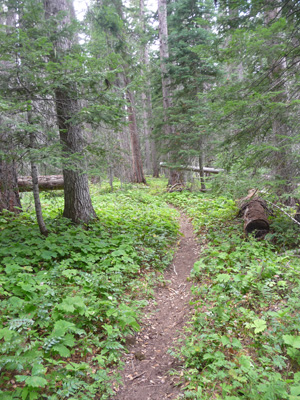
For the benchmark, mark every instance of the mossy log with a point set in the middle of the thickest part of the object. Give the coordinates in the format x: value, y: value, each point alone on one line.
x: 46, y: 182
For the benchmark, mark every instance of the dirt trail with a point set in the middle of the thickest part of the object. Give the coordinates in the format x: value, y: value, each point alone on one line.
x: 146, y: 375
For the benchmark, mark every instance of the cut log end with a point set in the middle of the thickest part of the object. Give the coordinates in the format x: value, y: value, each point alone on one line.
x: 257, y: 227
x: 255, y: 215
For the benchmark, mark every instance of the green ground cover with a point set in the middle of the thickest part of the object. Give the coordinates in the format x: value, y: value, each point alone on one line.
x: 243, y: 340
x: 69, y: 300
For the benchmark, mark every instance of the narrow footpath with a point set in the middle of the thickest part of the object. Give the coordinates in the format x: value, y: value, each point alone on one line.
x: 147, y: 365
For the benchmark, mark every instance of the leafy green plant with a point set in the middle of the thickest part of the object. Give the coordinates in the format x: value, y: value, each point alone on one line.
x: 243, y: 335
x: 69, y: 300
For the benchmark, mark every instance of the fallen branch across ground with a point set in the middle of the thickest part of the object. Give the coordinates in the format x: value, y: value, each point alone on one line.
x: 284, y: 212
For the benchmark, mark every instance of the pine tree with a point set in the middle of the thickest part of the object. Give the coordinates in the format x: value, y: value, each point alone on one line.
x: 256, y: 110
x: 109, y: 20
x: 78, y: 206
x: 187, y: 72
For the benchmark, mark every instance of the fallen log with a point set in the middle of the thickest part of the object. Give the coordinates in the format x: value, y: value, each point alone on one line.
x: 46, y: 182
x: 254, y: 211
x: 207, y: 170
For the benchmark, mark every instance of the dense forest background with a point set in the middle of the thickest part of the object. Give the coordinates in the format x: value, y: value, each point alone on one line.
x: 201, y: 84
x: 113, y: 129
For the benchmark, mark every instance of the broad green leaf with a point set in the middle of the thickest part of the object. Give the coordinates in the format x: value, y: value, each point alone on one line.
x: 225, y: 341
x: 61, y: 327
x: 6, y: 334
x: 70, y: 272
x: 295, y: 391
x: 223, y: 278
x: 69, y: 340
x: 70, y: 304
x: 62, y: 350
x: 291, y: 340
x: 36, y: 381
x: 259, y: 325
x: 297, y: 377
x: 38, y: 369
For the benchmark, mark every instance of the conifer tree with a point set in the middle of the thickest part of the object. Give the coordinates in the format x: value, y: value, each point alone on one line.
x: 9, y: 192
x: 78, y: 206
x: 257, y: 110
x: 109, y: 18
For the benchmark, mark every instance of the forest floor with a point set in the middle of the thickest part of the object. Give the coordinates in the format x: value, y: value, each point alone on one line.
x: 148, y: 362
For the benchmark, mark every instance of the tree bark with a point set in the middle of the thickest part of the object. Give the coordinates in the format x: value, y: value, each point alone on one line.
x: 297, y: 215
x: 280, y: 128
x: 9, y: 192
x: 34, y: 175
x: 150, y: 145
x: 255, y: 217
x: 175, y: 175
x: 201, y: 167
x: 78, y: 205
x: 137, y: 166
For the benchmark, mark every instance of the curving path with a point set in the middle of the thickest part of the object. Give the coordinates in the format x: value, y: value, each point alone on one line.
x: 145, y: 375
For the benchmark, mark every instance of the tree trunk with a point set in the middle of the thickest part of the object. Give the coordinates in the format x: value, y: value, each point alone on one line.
x: 280, y: 128
x: 175, y: 176
x: 155, y: 164
x: 78, y: 205
x: 150, y: 146
x: 34, y: 175
x: 164, y: 55
x: 137, y: 166
x: 297, y: 215
x: 9, y: 192
x: 201, y: 167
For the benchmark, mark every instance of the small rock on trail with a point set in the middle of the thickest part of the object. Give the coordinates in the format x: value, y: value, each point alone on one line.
x: 146, y: 372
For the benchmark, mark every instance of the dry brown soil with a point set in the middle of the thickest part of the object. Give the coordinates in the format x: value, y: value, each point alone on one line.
x: 147, y: 365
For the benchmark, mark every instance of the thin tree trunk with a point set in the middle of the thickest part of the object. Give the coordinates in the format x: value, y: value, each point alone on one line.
x: 110, y: 172
x: 34, y: 175
x: 155, y: 163
x: 78, y: 205
x: 279, y: 127
x: 201, y: 165
x: 164, y: 55
x: 145, y: 90
x: 175, y: 176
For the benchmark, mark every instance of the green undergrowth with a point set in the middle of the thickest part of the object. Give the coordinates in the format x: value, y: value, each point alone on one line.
x: 243, y: 339
x: 69, y: 300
